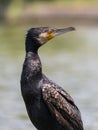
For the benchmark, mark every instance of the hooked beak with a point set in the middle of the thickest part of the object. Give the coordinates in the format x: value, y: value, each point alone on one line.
x: 56, y: 32
x: 51, y: 33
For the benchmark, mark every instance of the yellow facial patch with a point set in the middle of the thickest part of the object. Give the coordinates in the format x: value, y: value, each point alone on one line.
x: 48, y: 35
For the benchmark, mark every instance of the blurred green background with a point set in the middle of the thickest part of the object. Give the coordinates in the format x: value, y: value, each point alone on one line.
x: 70, y: 60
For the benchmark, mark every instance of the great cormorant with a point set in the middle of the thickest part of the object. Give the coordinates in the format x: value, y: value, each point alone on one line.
x: 48, y: 105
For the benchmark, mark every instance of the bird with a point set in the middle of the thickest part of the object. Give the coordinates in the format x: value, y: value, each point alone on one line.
x: 48, y: 105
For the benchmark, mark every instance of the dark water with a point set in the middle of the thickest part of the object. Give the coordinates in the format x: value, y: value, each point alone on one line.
x: 70, y: 60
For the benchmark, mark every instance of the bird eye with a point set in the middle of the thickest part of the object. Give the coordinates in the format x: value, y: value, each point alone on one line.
x: 52, y: 30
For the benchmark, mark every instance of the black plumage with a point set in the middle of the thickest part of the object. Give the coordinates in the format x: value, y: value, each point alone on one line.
x: 48, y: 105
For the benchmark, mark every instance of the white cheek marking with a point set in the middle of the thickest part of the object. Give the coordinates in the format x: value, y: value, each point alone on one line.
x: 44, y: 35
x: 43, y: 38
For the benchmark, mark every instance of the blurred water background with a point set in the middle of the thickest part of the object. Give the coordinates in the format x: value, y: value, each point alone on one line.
x: 71, y: 60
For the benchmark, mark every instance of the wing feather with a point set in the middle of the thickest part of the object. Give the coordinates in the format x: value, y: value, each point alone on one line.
x: 59, y: 117
x: 62, y: 106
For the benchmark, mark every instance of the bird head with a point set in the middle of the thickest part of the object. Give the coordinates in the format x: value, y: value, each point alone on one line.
x: 39, y: 36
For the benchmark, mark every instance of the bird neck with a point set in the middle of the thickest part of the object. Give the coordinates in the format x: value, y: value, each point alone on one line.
x: 34, y: 65
x: 31, y: 44
x: 31, y: 74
